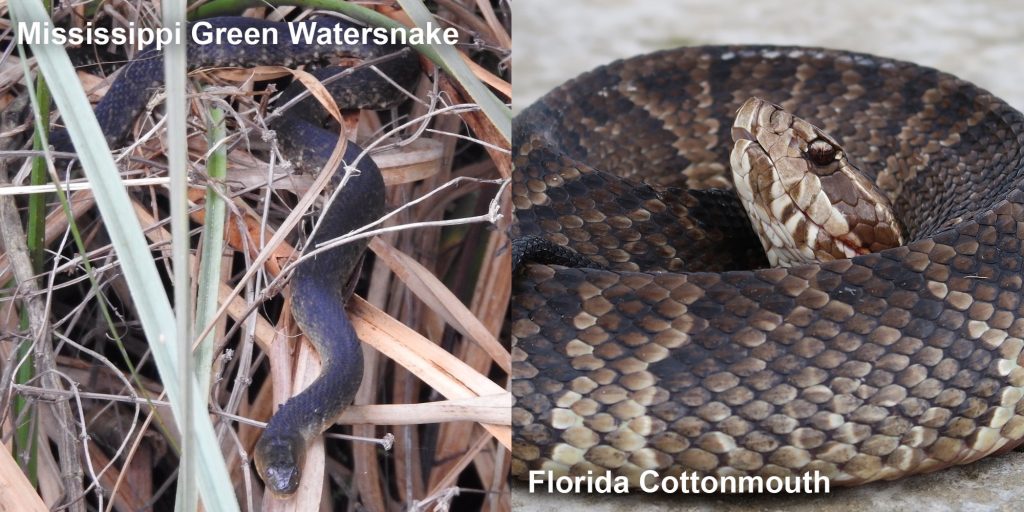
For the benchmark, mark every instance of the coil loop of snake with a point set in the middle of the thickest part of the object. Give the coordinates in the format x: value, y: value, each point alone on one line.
x: 317, y: 282
x: 662, y: 340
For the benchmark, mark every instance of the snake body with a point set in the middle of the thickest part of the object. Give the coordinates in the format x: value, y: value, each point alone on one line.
x: 680, y: 351
x: 318, y: 282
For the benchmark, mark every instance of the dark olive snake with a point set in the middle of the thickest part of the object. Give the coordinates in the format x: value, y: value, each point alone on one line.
x: 649, y: 332
x: 317, y: 282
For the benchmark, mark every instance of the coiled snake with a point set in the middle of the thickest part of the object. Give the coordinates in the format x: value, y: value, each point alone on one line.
x: 318, y: 282
x: 683, y: 352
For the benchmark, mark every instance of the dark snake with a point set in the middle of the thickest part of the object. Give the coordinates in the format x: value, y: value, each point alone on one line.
x: 317, y: 282
x: 649, y: 334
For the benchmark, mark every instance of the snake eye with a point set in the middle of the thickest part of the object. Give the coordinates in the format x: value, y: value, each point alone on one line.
x: 821, y: 152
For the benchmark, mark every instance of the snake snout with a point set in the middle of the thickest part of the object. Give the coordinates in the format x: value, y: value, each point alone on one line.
x: 282, y: 479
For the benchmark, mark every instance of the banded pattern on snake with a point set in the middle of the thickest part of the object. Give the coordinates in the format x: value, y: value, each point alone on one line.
x: 684, y: 353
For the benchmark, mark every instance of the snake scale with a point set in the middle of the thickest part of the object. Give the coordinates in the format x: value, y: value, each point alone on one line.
x: 678, y: 350
x: 318, y: 282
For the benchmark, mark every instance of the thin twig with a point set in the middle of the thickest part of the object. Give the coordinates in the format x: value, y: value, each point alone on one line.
x: 17, y: 255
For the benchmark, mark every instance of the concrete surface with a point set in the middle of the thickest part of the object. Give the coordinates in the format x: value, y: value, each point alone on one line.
x: 982, y: 41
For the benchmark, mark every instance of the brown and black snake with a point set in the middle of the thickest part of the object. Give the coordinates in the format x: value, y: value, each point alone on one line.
x: 318, y: 282
x: 650, y: 333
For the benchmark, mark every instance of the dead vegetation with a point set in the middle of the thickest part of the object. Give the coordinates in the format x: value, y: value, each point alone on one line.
x: 83, y: 417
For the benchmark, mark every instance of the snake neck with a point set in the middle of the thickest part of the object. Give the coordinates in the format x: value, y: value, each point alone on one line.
x: 328, y: 327
x: 280, y: 452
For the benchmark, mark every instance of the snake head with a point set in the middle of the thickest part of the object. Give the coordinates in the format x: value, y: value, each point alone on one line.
x: 805, y: 199
x: 279, y: 462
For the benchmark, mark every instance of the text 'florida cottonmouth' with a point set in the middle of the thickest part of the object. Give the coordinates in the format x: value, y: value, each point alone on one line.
x: 683, y: 352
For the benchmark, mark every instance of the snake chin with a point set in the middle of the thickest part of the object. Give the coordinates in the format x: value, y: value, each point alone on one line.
x: 279, y: 463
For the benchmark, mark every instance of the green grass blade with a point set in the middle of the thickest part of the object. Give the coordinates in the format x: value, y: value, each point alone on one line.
x: 175, y: 70
x: 125, y: 233
x: 451, y: 61
x: 213, y: 248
